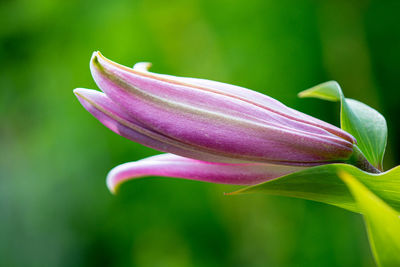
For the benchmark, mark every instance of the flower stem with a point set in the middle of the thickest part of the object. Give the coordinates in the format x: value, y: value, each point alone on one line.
x: 358, y: 159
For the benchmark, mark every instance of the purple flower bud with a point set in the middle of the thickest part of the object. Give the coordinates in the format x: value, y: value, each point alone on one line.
x: 208, y: 121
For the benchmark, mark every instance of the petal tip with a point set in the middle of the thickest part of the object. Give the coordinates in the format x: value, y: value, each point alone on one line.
x: 99, y: 64
x: 96, y: 54
x: 142, y: 66
x: 111, y: 182
x: 78, y: 91
x: 94, y: 61
x: 118, y: 175
x: 85, y: 93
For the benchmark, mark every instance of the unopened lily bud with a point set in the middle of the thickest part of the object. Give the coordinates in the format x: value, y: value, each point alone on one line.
x: 209, y: 121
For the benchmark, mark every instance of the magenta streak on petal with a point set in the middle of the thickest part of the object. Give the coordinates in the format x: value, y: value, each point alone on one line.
x: 237, y: 136
x: 108, y: 113
x: 170, y: 165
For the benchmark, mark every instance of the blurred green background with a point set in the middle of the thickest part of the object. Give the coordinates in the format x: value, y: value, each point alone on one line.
x: 55, y: 209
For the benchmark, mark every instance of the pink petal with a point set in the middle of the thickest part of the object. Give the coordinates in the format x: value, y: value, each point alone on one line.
x: 169, y: 165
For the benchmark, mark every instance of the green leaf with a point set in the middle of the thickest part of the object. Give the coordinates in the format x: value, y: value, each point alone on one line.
x: 383, y: 223
x: 366, y: 124
x: 330, y: 91
x: 321, y: 183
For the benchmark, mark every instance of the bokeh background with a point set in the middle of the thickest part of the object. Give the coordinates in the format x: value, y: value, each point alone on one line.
x: 55, y: 209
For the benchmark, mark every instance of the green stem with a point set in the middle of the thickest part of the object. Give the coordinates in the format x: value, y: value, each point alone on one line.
x: 358, y: 159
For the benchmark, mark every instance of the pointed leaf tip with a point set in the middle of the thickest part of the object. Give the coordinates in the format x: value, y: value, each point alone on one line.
x: 330, y: 91
x: 366, y: 124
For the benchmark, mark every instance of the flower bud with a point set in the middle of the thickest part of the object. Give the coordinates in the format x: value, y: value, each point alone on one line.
x: 209, y: 120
